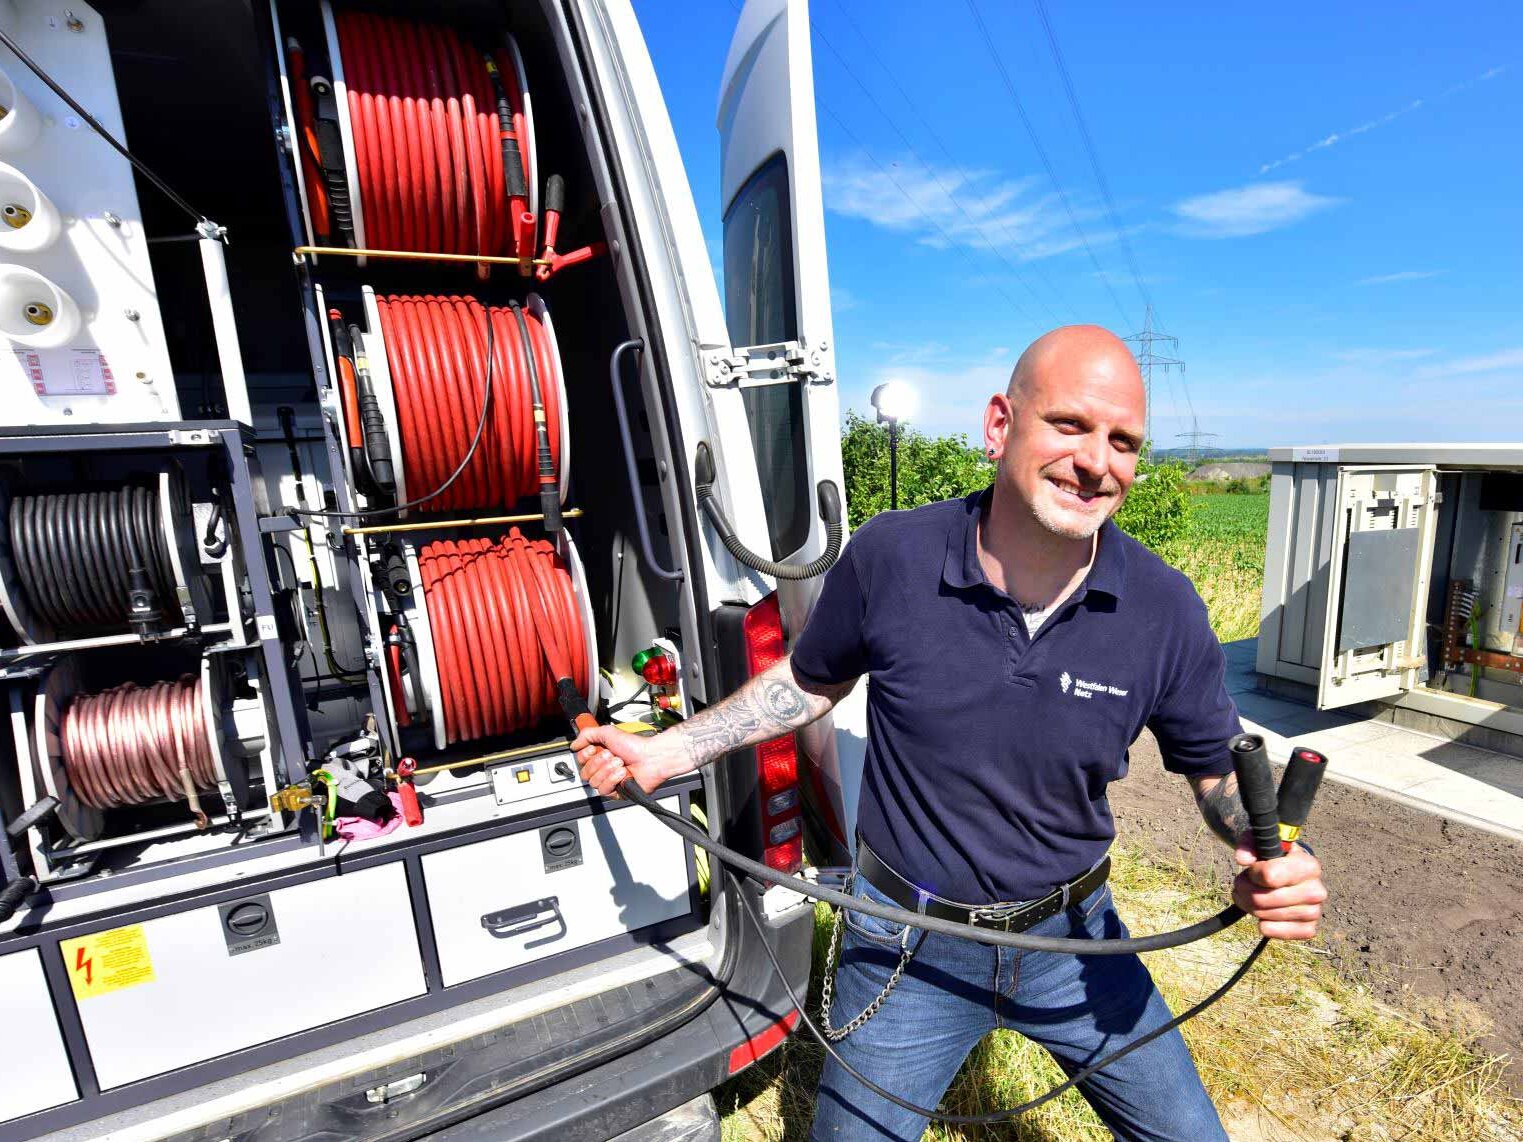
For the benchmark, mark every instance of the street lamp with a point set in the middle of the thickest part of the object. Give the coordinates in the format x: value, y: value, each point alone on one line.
x: 894, y: 401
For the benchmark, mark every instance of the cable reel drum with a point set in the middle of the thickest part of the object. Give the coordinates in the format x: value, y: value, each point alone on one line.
x: 66, y: 557
x: 432, y: 693
x: 228, y: 726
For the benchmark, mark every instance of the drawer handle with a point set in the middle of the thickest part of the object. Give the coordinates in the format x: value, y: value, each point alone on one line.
x: 521, y: 918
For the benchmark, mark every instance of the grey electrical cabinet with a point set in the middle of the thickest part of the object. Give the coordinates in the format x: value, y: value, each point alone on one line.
x: 1394, y: 572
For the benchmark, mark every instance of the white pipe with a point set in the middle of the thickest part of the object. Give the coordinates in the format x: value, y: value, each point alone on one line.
x: 21, y: 123
x: 235, y: 386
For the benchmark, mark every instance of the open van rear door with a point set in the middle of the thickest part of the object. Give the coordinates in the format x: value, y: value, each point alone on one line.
x: 777, y: 308
x: 1374, y: 643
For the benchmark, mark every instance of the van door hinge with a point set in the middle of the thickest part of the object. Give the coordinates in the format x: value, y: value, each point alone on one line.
x: 767, y: 365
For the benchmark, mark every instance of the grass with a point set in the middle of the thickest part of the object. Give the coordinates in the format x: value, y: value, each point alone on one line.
x: 1296, y: 1052
x: 1223, y: 554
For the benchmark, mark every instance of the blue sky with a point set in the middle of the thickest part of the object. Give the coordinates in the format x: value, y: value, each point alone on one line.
x: 1324, y: 201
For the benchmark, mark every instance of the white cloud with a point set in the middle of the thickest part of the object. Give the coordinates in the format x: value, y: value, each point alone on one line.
x: 1246, y: 210
x: 1400, y: 276
x: 842, y: 299
x: 1503, y: 359
x: 1369, y: 125
x: 1374, y: 356
x: 977, y: 209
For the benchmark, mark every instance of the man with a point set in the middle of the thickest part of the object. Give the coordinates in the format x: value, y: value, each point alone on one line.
x: 1017, y: 642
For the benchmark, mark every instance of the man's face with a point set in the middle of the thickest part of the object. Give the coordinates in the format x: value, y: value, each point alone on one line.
x: 1069, y: 441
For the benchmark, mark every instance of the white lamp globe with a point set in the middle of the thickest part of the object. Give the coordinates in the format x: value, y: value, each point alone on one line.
x: 894, y: 401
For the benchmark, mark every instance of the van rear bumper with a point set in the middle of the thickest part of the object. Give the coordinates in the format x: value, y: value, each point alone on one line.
x: 641, y: 1084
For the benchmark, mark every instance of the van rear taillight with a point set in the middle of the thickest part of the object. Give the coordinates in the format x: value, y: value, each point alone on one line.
x: 777, y: 761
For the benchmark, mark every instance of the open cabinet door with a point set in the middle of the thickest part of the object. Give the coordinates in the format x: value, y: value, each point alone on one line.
x: 1374, y: 644
x: 780, y: 382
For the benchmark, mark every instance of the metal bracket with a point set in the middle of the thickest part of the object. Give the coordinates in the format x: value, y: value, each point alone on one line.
x: 766, y: 365
x: 198, y: 437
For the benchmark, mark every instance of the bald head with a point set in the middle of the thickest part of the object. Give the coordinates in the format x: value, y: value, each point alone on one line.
x: 1067, y: 432
x: 1070, y: 354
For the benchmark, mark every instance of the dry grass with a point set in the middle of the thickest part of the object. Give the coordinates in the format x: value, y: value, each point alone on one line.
x: 1229, y: 574
x: 1295, y: 1052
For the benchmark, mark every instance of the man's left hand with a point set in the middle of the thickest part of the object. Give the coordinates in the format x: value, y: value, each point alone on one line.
x: 1284, y: 895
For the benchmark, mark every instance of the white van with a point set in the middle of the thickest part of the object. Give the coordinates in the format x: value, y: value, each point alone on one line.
x: 204, y: 674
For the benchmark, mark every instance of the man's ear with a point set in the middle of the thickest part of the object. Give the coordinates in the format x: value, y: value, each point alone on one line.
x: 998, y: 421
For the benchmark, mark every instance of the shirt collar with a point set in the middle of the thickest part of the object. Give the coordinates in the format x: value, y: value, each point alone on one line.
x: 962, y: 568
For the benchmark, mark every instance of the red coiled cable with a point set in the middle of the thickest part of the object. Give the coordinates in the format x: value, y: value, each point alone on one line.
x: 427, y: 138
x: 489, y: 604
x: 436, y: 350
x: 130, y: 745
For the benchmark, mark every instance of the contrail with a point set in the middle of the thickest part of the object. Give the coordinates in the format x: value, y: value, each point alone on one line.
x: 1338, y: 136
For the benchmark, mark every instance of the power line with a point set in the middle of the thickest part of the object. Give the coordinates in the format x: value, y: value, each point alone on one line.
x: 1041, y: 151
x: 910, y: 198
x: 1094, y: 157
x: 1148, y: 359
x: 942, y: 146
x: 887, y: 173
x: 1195, y: 437
x: 952, y: 197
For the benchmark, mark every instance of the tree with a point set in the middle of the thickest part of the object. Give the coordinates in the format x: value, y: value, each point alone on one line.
x: 935, y: 468
x: 931, y: 468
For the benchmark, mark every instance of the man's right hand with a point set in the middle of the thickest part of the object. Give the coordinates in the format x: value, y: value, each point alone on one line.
x: 609, y: 756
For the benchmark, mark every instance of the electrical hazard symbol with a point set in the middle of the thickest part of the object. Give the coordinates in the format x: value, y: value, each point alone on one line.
x: 107, y: 961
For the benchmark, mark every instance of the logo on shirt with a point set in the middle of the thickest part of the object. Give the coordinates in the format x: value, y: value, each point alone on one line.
x: 1083, y: 688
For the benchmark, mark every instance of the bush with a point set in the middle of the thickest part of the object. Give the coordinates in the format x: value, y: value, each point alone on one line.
x: 931, y: 468
x: 935, y: 468
x: 1158, y: 508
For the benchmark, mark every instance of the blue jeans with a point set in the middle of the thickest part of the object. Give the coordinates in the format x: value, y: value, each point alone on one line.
x: 1078, y: 1007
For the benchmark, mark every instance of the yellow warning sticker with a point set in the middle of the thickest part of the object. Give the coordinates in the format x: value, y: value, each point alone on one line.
x: 107, y: 961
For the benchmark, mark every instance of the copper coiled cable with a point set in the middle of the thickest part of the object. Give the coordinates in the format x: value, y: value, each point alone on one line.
x: 436, y: 351
x: 489, y: 604
x: 132, y: 745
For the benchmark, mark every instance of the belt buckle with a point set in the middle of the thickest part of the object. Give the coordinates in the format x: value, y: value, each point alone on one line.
x: 996, y: 916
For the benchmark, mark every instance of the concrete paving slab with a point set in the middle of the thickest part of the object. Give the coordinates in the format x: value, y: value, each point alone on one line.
x: 1501, y: 772
x: 1268, y: 711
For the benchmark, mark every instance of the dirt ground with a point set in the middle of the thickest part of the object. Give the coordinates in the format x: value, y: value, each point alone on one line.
x: 1427, y: 912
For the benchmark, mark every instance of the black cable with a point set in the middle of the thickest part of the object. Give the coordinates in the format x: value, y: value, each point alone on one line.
x: 997, y: 1115
x: 481, y: 424
x: 1021, y: 940
x: 635, y: 697
x: 141, y: 167
x: 80, y: 555
x: 732, y: 860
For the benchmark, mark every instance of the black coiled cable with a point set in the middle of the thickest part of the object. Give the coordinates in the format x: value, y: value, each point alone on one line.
x: 76, y: 554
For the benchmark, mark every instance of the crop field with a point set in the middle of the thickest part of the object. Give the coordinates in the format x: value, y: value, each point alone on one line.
x: 1223, y: 554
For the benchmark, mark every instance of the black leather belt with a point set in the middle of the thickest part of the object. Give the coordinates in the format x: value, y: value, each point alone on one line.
x: 1003, y: 918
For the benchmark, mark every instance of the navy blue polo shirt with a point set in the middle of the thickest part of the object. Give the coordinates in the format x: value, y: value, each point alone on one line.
x: 989, y: 751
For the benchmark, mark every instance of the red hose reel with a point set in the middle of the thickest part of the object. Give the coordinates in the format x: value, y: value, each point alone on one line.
x: 442, y: 137
x: 479, y: 616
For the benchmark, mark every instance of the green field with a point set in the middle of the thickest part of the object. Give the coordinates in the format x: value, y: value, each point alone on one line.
x: 1223, y: 554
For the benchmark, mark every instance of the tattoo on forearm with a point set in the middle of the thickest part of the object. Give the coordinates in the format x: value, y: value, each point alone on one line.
x: 785, y: 702
x: 766, y: 707
x: 1223, y: 810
